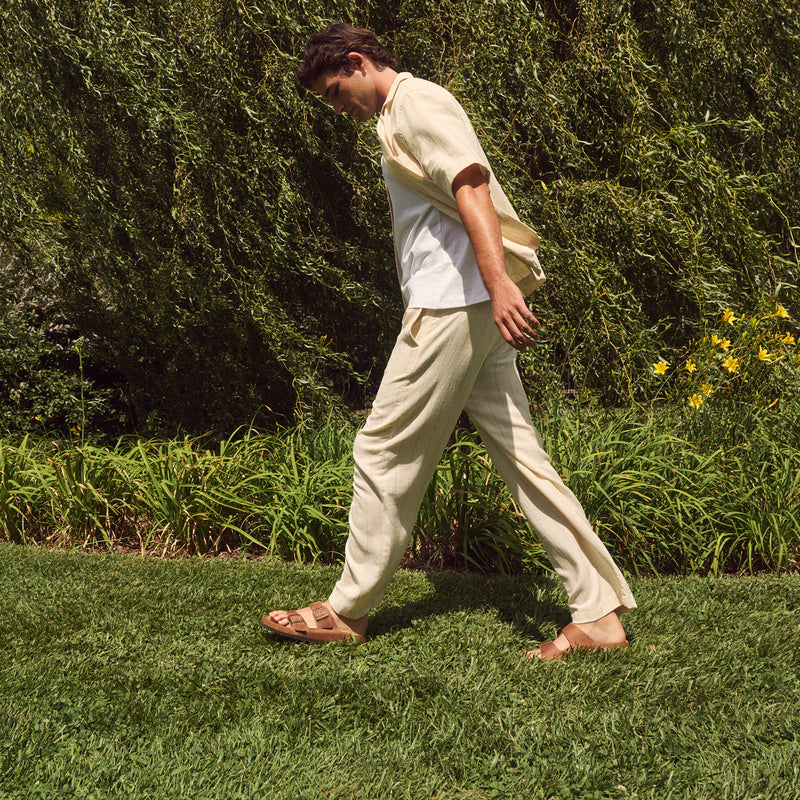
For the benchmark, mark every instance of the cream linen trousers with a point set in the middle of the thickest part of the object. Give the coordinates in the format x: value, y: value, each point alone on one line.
x: 446, y: 361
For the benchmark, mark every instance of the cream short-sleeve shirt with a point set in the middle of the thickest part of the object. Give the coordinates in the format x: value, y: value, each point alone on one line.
x: 423, y: 145
x: 437, y: 263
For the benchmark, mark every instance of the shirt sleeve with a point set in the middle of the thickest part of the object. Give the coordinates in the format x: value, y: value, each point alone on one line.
x: 431, y: 125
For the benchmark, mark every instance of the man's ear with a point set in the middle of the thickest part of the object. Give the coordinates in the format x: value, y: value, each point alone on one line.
x: 356, y: 60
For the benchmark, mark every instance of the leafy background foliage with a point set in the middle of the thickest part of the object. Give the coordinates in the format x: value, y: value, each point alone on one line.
x: 191, y: 243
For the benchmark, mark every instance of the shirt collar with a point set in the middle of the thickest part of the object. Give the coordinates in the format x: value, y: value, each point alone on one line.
x: 393, y: 90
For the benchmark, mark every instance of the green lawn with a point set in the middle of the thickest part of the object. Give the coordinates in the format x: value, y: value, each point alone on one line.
x: 123, y: 677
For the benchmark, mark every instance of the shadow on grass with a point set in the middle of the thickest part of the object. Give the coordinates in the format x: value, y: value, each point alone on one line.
x: 524, y: 603
x: 534, y: 606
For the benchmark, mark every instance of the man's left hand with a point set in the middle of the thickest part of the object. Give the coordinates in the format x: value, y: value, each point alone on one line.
x: 512, y: 316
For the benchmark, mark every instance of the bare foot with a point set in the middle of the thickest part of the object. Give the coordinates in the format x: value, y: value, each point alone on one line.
x: 605, y: 632
x: 357, y: 626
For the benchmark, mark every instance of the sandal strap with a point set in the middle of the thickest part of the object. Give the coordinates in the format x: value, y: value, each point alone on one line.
x: 296, y: 622
x: 578, y: 639
x: 322, y: 617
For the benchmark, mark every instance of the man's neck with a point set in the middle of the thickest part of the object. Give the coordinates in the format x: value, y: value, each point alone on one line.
x: 384, y: 78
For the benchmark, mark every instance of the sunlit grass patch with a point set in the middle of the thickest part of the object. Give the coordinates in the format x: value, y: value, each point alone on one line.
x: 149, y: 678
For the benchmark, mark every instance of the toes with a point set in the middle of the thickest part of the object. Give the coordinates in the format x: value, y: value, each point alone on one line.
x: 550, y: 651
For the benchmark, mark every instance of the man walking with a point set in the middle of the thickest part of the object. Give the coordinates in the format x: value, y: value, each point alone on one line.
x: 465, y: 262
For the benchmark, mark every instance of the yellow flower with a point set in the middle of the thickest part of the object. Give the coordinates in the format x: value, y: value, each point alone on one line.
x: 781, y: 312
x: 707, y: 388
x: 717, y: 342
x: 788, y: 339
x: 763, y: 355
x: 729, y: 316
x: 696, y: 400
x: 731, y: 364
x: 660, y: 367
x: 690, y: 367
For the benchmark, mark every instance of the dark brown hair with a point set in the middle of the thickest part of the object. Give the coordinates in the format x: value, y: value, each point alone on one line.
x: 327, y: 52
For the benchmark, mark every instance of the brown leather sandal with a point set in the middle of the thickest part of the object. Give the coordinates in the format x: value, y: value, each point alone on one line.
x: 578, y: 640
x: 326, y: 631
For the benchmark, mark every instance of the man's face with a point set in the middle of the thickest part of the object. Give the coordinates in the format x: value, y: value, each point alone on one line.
x: 355, y: 94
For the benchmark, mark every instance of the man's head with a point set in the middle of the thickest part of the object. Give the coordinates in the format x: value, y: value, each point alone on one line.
x: 349, y: 68
x: 328, y: 51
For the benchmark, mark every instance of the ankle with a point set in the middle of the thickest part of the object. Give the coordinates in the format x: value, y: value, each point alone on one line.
x: 355, y: 624
x: 608, y: 625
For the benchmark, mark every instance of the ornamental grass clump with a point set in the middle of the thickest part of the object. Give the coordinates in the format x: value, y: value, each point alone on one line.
x: 669, y: 493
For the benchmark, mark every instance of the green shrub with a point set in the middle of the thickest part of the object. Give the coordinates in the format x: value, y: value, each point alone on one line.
x: 220, y: 243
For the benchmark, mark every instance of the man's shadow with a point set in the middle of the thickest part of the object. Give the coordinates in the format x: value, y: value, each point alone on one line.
x: 523, y: 602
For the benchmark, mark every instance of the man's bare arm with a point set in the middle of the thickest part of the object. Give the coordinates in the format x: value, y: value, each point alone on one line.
x: 512, y: 316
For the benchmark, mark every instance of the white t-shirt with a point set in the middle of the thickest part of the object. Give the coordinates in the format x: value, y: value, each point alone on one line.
x: 438, y: 268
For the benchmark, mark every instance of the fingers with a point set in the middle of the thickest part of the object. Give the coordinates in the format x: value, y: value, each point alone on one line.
x: 515, y: 320
x: 520, y: 331
x: 522, y: 343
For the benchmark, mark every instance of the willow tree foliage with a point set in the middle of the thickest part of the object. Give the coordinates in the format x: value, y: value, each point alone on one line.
x: 188, y: 241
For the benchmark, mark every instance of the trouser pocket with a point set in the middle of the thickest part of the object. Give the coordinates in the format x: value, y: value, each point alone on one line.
x: 412, y: 325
